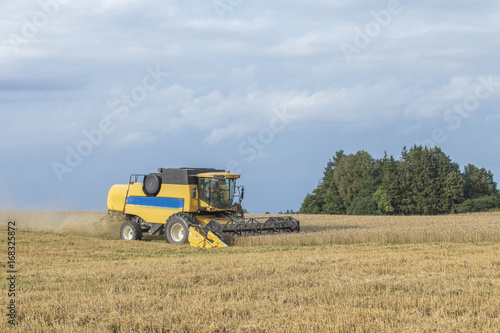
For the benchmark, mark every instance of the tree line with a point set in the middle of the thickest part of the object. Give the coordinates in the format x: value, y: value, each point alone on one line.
x: 423, y: 181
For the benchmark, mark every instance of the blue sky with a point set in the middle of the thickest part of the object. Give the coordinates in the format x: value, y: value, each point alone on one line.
x: 92, y: 91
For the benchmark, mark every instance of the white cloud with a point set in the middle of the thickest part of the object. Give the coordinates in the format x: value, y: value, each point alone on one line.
x: 233, y: 26
x: 232, y: 130
x: 135, y: 139
x: 103, y: 6
x: 493, y: 118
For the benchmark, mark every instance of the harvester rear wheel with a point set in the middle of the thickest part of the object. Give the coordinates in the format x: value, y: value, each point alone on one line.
x: 177, y: 228
x: 131, y: 230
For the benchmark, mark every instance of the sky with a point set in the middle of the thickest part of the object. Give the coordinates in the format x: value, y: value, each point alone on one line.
x: 93, y: 91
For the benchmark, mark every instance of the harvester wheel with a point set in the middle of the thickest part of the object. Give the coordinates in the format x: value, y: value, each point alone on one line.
x: 131, y: 230
x: 177, y: 228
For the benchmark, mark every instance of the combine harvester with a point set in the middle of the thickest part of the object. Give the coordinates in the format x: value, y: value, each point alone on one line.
x: 188, y: 205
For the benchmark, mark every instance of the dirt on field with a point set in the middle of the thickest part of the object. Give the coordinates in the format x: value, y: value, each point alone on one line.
x: 72, y: 222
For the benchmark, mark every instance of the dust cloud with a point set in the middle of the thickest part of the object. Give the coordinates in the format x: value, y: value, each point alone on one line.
x: 72, y: 222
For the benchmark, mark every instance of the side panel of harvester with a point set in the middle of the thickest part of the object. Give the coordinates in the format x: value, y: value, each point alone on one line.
x: 171, y: 199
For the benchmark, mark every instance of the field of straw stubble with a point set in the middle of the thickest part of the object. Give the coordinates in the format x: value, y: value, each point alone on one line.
x: 340, y: 274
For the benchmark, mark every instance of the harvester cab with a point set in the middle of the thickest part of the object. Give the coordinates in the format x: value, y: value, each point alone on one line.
x: 217, y: 191
x: 188, y: 205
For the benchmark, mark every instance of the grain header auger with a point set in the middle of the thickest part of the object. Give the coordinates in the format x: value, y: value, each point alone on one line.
x: 188, y: 205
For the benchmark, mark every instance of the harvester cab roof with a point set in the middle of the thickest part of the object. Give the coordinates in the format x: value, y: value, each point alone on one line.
x: 219, y: 175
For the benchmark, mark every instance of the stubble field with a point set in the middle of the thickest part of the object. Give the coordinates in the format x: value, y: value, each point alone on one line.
x: 340, y: 274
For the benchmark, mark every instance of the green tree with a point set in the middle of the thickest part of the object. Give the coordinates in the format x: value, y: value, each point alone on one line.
x: 355, y: 175
x: 454, y: 190
x: 325, y: 198
x: 405, y: 189
x: 333, y: 203
x: 363, y: 206
x: 388, y: 196
x: 384, y: 201
x: 313, y: 203
x: 478, y: 182
x: 423, y: 181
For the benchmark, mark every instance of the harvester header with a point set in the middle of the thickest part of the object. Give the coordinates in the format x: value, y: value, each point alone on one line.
x: 195, y: 205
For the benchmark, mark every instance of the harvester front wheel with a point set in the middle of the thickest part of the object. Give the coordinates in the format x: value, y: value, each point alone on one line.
x: 131, y: 231
x: 177, y: 228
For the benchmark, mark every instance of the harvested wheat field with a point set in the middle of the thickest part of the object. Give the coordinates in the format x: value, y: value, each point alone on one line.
x: 340, y: 274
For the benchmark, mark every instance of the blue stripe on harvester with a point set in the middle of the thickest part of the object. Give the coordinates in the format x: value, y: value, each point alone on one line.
x: 156, y: 202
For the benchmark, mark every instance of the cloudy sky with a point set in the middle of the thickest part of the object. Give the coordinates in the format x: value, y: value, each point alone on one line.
x: 92, y: 91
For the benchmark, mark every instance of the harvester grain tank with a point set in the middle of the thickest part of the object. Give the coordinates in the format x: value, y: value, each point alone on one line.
x: 195, y: 205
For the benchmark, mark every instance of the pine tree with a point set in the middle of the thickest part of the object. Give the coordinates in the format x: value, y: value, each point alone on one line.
x: 407, y: 204
x: 453, y: 190
x: 387, y: 195
x: 325, y: 198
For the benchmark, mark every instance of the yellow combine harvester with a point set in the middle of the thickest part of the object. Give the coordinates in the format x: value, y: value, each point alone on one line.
x: 188, y: 205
